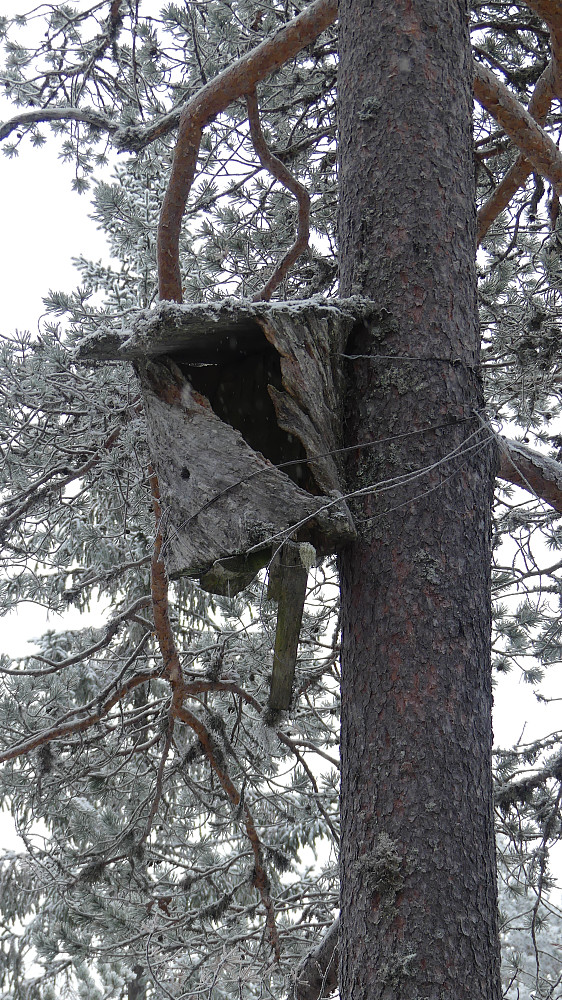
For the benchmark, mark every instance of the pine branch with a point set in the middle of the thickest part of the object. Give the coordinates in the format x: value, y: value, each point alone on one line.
x: 159, y: 779
x: 58, y: 732
x: 538, y: 151
x: 281, y: 173
x: 242, y: 77
x: 551, y: 13
x: 54, y: 667
x: 62, y: 114
x: 85, y: 115
x: 172, y: 669
x: 260, y: 879
x: 519, y: 125
x: 32, y: 496
x: 519, y: 790
x: 548, y: 86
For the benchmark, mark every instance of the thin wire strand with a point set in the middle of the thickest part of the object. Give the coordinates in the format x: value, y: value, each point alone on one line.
x: 383, y: 486
x: 307, y: 461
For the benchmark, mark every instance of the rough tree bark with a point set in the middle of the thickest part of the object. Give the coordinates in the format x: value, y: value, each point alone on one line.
x: 418, y: 896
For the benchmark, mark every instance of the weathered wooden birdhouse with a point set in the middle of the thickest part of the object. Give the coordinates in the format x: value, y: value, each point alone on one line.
x: 243, y: 414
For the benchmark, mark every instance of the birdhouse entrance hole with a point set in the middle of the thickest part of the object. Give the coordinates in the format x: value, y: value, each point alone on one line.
x: 235, y: 376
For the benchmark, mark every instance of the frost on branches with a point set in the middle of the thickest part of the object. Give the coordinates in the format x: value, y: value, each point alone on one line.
x: 177, y: 838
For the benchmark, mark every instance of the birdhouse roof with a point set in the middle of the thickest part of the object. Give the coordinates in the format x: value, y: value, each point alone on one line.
x: 210, y: 329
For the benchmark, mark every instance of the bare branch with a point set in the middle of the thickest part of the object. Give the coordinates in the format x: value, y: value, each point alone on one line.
x: 517, y: 174
x: 519, y: 125
x: 281, y: 173
x: 240, y: 78
x: 532, y: 471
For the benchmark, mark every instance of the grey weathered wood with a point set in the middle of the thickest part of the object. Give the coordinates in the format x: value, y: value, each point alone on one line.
x: 206, y: 328
x: 287, y: 586
x: 136, y: 989
x: 221, y: 498
x: 231, y: 390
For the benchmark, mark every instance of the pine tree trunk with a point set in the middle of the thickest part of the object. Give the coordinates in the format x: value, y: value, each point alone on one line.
x: 418, y: 858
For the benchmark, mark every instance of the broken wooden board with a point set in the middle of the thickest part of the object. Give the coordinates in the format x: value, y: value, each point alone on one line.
x: 288, y: 575
x: 242, y: 402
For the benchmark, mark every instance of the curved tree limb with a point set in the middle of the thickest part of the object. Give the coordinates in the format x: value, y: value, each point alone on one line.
x: 232, y: 83
x: 281, y: 173
x: 538, y: 152
x: 62, y: 114
x: 517, y: 174
x: 532, y: 471
x: 240, y: 78
x: 519, y: 125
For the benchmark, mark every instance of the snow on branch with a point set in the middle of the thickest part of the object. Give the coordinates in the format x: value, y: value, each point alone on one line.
x: 62, y: 114
x: 510, y: 792
x: 532, y: 471
x: 67, y: 729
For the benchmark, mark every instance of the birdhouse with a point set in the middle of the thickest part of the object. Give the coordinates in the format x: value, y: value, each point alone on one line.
x: 243, y: 410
